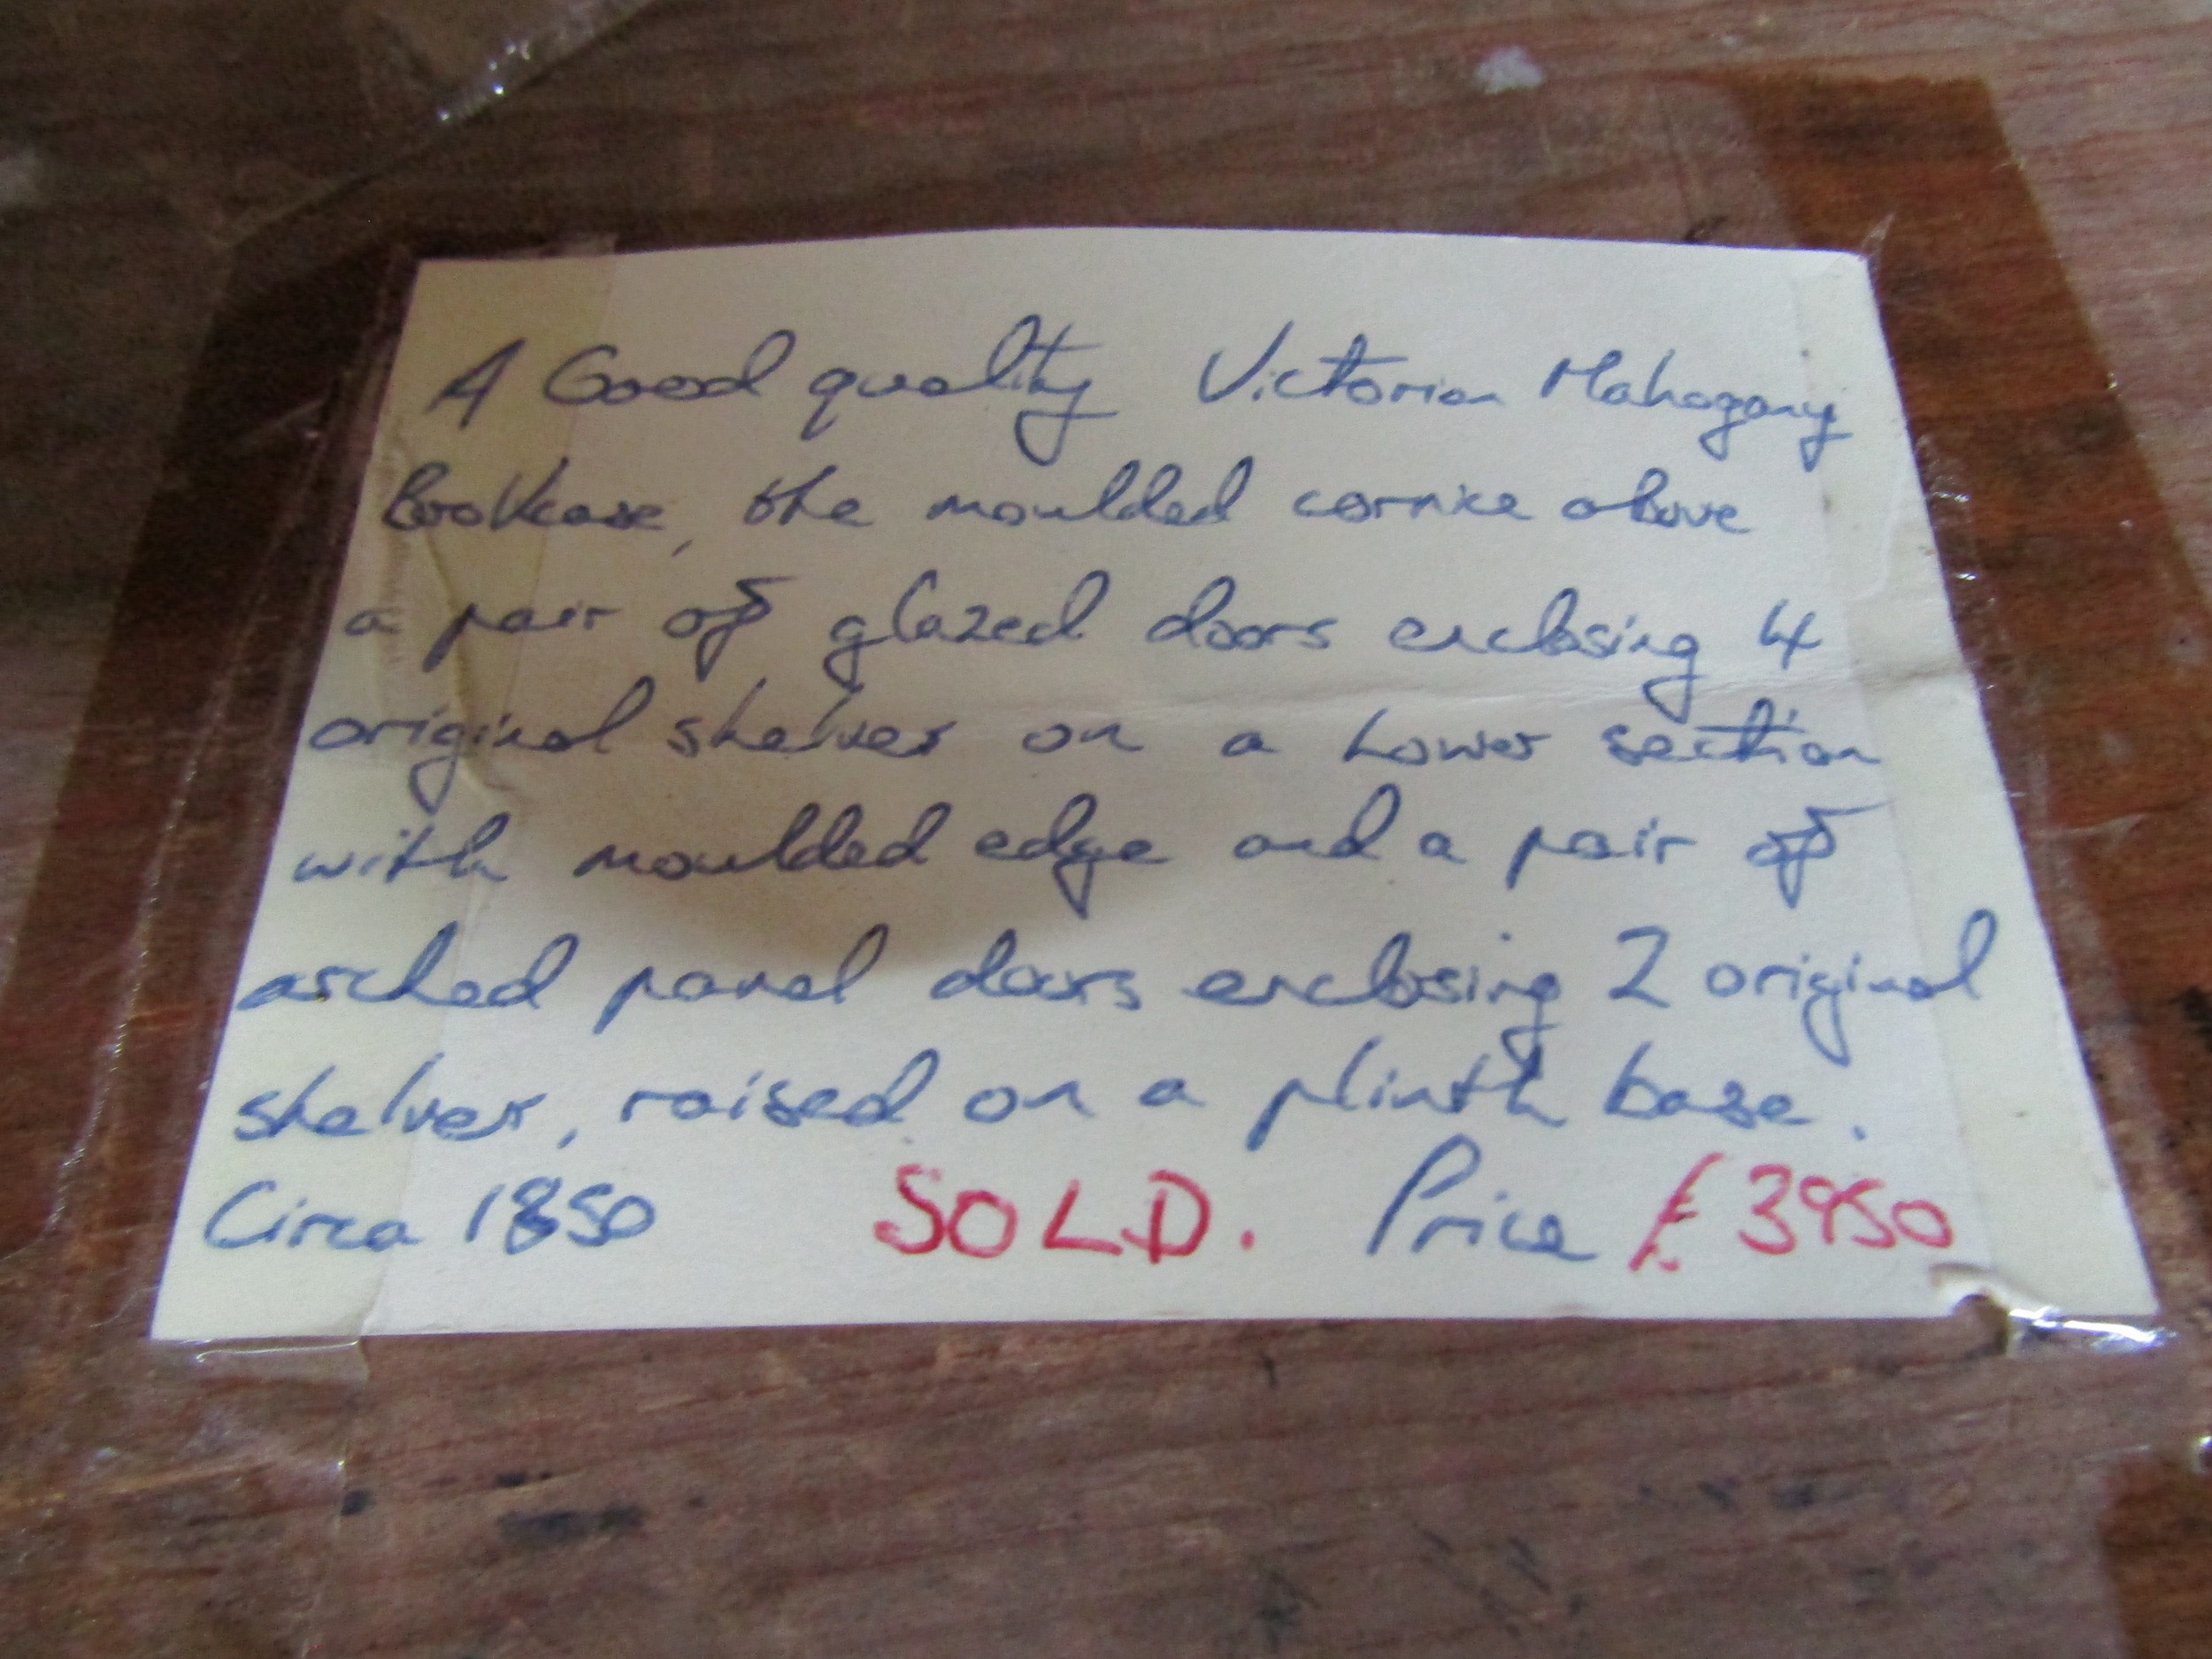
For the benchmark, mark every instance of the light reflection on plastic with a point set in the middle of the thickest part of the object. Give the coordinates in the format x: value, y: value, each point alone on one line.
x: 2049, y: 1328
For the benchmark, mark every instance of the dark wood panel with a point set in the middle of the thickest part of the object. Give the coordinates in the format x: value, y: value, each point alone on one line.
x: 1561, y: 1488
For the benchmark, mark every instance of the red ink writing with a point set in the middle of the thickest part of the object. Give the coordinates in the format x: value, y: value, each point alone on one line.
x: 1784, y: 1239
x: 1673, y: 1213
x: 1845, y: 1213
x: 983, y: 1224
x: 1057, y: 1240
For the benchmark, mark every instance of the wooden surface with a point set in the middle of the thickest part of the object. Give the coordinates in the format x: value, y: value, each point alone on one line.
x: 2030, y: 179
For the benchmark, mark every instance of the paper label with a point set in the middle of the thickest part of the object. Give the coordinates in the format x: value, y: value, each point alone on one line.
x: 1135, y: 774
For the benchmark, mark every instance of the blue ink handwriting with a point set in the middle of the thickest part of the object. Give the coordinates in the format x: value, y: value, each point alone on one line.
x: 1347, y: 380
x: 1555, y: 634
x: 1074, y: 857
x: 998, y: 976
x: 462, y: 861
x: 1355, y: 506
x: 785, y: 504
x: 1593, y: 846
x: 699, y: 986
x: 572, y: 384
x: 1733, y: 1108
x: 341, y: 1121
x: 331, y: 1231
x: 1790, y: 853
x: 1643, y: 506
x: 997, y: 1104
x: 1792, y: 642
x: 711, y: 627
x: 1369, y: 826
x: 1523, y: 1046
x: 1418, y: 751
x: 530, y: 1225
x: 1202, y: 625
x: 357, y: 985
x: 779, y: 1106
x: 522, y: 619
x: 413, y: 506
x: 1021, y: 362
x: 1389, y: 984
x: 1819, y: 994
x: 1157, y: 503
x: 1735, y: 411
x: 861, y: 736
x: 1050, y: 740
x: 838, y: 848
x: 1459, y: 1157
x: 1752, y: 741
x: 910, y: 625
x: 431, y: 781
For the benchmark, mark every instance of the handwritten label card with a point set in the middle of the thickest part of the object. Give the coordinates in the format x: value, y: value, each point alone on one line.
x: 1141, y: 774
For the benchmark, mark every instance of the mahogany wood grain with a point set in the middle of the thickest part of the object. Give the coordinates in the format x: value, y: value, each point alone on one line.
x: 1565, y: 1489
